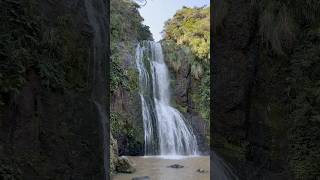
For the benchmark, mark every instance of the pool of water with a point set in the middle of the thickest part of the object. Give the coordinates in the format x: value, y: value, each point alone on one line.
x: 156, y: 168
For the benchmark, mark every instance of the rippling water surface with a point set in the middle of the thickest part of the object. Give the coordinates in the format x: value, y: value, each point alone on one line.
x: 156, y: 168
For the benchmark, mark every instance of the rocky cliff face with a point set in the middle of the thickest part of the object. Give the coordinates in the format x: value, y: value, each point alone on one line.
x: 127, y: 123
x: 54, y: 129
x: 184, y: 87
x: 254, y: 112
x: 126, y: 116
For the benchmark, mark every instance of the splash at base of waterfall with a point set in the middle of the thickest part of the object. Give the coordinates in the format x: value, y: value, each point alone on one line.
x: 172, y: 156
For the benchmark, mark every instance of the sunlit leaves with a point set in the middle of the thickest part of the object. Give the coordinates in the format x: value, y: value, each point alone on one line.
x: 191, y: 27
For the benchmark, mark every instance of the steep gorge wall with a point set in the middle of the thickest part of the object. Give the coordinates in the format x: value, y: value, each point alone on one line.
x: 127, y: 123
x: 184, y: 87
x: 126, y: 116
x: 51, y: 127
x: 260, y: 109
x: 186, y: 46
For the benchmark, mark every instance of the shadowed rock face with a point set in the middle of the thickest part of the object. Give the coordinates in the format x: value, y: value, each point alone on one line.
x: 233, y: 76
x: 221, y: 170
x: 53, y: 134
x: 241, y: 94
x: 233, y: 72
x: 255, y: 116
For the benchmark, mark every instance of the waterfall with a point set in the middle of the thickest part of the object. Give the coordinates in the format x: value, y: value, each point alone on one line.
x: 166, y: 131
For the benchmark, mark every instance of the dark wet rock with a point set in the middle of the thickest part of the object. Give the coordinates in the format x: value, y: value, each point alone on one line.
x: 141, y: 178
x: 124, y: 165
x: 254, y: 125
x: 202, y: 170
x: 56, y: 131
x: 9, y: 170
x: 177, y: 166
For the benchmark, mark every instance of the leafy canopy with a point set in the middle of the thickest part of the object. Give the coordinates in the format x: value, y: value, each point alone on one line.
x: 191, y: 27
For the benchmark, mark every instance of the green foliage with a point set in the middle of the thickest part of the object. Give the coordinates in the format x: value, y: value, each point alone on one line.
x: 56, y: 54
x: 177, y: 56
x: 125, y: 32
x: 201, y: 97
x: 197, y: 69
x: 174, y: 54
x: 144, y: 33
x: 116, y: 124
x: 124, y: 28
x: 204, y: 93
x: 123, y: 78
x: 187, y: 40
x: 122, y: 128
x: 191, y: 27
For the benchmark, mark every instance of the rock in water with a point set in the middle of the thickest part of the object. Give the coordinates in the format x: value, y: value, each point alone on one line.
x: 202, y: 170
x: 177, y: 166
x: 124, y: 165
x: 141, y: 178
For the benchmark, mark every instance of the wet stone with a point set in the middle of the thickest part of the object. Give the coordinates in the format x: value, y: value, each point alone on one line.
x: 177, y: 166
x: 202, y: 170
x: 141, y: 178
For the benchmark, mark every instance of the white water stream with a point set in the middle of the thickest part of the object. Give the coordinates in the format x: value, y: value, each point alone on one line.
x: 167, y: 134
x: 166, y: 131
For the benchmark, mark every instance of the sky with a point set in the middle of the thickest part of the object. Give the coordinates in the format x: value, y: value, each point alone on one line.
x: 156, y: 12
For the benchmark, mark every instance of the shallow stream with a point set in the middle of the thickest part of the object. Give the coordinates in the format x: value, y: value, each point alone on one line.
x: 156, y: 167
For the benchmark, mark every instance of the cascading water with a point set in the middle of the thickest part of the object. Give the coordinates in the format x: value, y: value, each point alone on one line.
x: 165, y: 129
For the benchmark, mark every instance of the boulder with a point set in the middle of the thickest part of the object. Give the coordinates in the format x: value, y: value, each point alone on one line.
x: 124, y: 165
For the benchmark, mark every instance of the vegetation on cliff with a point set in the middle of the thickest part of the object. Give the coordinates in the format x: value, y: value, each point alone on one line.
x: 191, y: 27
x: 56, y: 53
x: 46, y: 75
x: 125, y: 33
x: 126, y: 118
x: 187, y: 38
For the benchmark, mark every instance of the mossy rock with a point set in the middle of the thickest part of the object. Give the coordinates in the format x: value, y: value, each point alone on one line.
x: 124, y: 165
x: 113, y: 154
